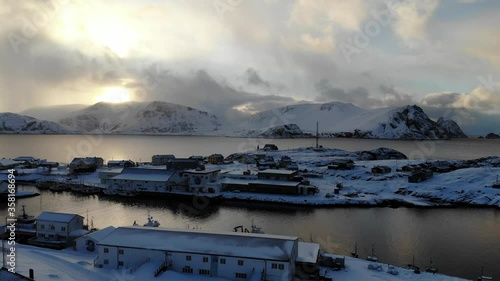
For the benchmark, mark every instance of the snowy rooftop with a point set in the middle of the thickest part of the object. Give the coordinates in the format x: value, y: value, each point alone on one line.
x: 264, y: 182
x: 56, y: 217
x: 99, y: 234
x: 207, y: 171
x: 144, y: 174
x: 235, y: 244
x: 7, y: 162
x: 308, y: 252
x: 276, y: 171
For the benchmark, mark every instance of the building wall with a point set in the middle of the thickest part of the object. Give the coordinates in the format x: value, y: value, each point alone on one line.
x: 44, y: 230
x: 215, y: 266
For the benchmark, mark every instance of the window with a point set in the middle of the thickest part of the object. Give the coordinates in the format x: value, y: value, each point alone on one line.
x: 106, y: 250
x: 41, y: 235
x: 222, y: 261
x: 274, y: 265
x: 52, y: 227
x: 281, y: 267
x: 204, y: 272
x: 240, y: 262
x: 187, y: 269
x: 241, y: 275
x: 63, y: 228
x: 205, y: 259
x: 188, y: 258
x: 120, y: 252
x: 120, y: 263
x: 106, y: 261
x: 42, y: 226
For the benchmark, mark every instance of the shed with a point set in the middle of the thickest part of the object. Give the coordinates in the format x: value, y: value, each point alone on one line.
x: 377, y: 170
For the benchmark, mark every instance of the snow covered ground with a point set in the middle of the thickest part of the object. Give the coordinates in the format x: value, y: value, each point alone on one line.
x: 70, y: 265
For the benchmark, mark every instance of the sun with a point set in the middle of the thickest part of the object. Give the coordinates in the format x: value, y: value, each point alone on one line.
x: 114, y: 95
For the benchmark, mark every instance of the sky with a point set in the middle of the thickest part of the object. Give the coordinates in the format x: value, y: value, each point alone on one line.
x: 238, y: 57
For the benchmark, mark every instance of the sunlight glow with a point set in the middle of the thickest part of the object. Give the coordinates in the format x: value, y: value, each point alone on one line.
x: 114, y: 95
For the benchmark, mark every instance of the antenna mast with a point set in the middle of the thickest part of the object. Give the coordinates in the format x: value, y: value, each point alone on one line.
x: 317, y: 134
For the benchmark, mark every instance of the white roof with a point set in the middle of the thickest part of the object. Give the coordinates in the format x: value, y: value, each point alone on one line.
x: 56, y: 217
x: 276, y: 171
x: 275, y: 182
x: 8, y: 162
x: 308, y: 252
x: 142, y: 174
x: 99, y: 234
x: 78, y: 232
x: 233, y: 244
x: 194, y: 171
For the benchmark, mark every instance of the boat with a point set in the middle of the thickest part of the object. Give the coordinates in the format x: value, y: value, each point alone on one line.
x: 496, y: 184
x: 432, y: 268
x: 85, y: 189
x: 355, y: 253
x: 151, y: 222
x: 254, y: 229
x: 60, y: 187
x: 483, y: 277
x: 25, y: 218
x: 373, y: 256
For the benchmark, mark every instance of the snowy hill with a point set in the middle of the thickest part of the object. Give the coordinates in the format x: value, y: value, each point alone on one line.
x: 141, y: 118
x: 11, y: 123
x: 348, y: 120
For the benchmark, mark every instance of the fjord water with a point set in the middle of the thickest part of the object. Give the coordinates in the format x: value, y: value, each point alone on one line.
x: 63, y: 148
x: 459, y: 241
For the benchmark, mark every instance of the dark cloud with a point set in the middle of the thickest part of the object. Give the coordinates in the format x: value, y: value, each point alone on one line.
x: 394, y: 97
x: 441, y: 99
x: 358, y: 96
x: 253, y: 78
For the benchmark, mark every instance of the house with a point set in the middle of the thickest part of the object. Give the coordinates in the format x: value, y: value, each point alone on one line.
x: 29, y: 161
x: 230, y: 255
x: 85, y: 165
x: 88, y: 242
x: 184, y: 164
x: 215, y: 158
x: 60, y: 228
x: 378, y: 170
x: 307, y: 260
x: 145, y: 180
x: 6, y: 164
x: 273, y: 174
x: 46, y: 164
x: 270, y: 146
x: 420, y: 176
x: 266, y: 163
x: 285, y: 161
x: 120, y: 163
x: 158, y: 160
x: 341, y: 164
x: 198, y: 157
x: 202, y: 180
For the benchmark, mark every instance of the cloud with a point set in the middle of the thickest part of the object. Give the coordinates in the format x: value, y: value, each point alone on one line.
x: 479, y: 99
x: 358, y: 96
x: 253, y: 78
x: 393, y: 96
x: 411, y: 20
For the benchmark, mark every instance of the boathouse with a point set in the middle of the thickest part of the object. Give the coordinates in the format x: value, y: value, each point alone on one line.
x: 158, y: 160
x: 85, y: 165
x: 58, y: 228
x: 231, y: 255
x: 144, y: 180
x: 202, y: 180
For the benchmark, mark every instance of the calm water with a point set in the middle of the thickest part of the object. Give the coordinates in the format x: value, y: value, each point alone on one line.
x: 459, y: 241
x: 63, y: 148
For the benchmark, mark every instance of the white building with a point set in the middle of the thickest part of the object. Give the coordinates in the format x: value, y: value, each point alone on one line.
x: 59, y: 227
x: 202, y: 180
x: 147, y: 180
x: 88, y: 242
x: 232, y: 255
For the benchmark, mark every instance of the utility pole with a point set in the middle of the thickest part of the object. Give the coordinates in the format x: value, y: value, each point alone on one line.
x: 317, y: 134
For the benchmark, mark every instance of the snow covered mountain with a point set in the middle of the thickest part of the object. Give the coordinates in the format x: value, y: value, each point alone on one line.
x: 11, y: 123
x: 347, y: 120
x: 141, y: 118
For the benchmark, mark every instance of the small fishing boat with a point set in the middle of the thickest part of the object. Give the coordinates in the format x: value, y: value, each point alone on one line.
x: 25, y: 218
x: 432, y: 268
x: 483, y: 277
x: 355, y: 253
x: 373, y: 257
x: 496, y: 184
x: 151, y: 222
